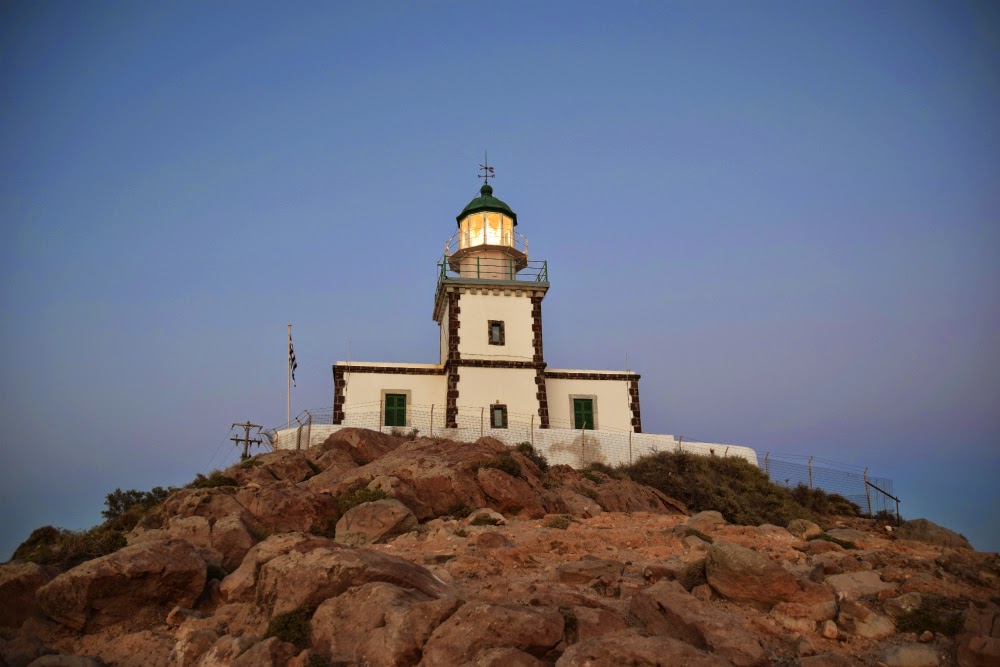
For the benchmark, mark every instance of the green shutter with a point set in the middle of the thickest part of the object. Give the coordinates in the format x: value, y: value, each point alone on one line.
x: 583, y: 413
x: 395, y: 409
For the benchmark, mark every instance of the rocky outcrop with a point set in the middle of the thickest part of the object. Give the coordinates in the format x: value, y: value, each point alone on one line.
x: 632, y: 648
x: 113, y: 588
x: 667, y: 609
x: 923, y: 530
x: 743, y: 575
x: 375, y: 522
x: 18, y: 583
x: 475, y: 628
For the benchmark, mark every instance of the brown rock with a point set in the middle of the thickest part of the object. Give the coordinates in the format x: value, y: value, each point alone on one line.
x: 271, y: 652
x: 829, y: 630
x: 216, y: 504
x: 284, y: 506
x: 856, y: 584
x: 911, y: 655
x: 379, y: 623
x: 794, y: 617
x: 114, y: 587
x: 826, y: 660
x: 333, y: 463
x: 477, y: 626
x: 667, y: 609
x: 705, y: 521
x: 803, y: 529
x: 362, y: 445
x: 18, y: 582
x: 978, y: 644
x: 22, y: 650
x: 929, y: 532
x: 587, y: 570
x: 493, y: 540
x: 287, y: 465
x: 816, y: 547
x: 226, y: 649
x: 566, y: 501
x: 375, y: 522
x: 308, y: 577
x: 187, y: 650
x: 240, y: 584
x: 633, y: 649
x: 689, y: 573
x: 509, y: 495
x: 232, y: 538
x: 594, y: 622
x: 743, y: 575
x: 505, y: 657
x: 857, y: 619
x: 903, y: 604
x: 618, y: 495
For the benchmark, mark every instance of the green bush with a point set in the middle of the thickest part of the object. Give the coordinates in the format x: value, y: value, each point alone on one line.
x: 67, y: 548
x: 292, y: 627
x: 119, y: 502
x: 593, y: 476
x: 936, y: 613
x: 821, y: 502
x: 528, y: 450
x: 733, y: 486
x: 214, y: 480
x: 607, y: 470
x: 560, y: 522
x: 359, y: 496
x: 847, y: 544
x: 503, y: 461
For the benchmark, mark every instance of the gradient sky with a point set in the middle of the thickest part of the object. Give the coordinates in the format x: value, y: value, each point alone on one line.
x: 785, y: 213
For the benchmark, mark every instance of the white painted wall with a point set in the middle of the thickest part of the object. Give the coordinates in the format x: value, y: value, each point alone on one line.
x: 363, y: 391
x: 443, y: 329
x: 475, y: 312
x: 514, y: 387
x: 611, y: 403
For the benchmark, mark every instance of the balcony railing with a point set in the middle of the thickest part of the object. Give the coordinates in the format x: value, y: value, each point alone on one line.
x: 481, y: 268
x: 486, y: 236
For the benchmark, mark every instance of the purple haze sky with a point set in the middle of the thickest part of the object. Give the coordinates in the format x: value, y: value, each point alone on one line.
x: 785, y: 213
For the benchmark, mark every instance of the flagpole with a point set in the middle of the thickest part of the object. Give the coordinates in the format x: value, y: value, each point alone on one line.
x: 288, y: 411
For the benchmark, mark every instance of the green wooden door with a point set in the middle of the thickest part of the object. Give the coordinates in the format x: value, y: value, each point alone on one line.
x: 583, y: 413
x: 395, y: 409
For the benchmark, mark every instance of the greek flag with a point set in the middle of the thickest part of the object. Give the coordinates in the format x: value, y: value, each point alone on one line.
x: 291, y: 358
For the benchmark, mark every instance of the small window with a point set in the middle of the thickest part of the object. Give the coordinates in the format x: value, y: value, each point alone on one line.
x: 498, y: 416
x: 583, y: 413
x: 395, y: 409
x: 496, y: 332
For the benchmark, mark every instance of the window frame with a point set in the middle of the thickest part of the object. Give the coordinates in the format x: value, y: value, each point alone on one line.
x: 489, y: 332
x: 573, y: 398
x: 395, y: 394
x: 502, y: 407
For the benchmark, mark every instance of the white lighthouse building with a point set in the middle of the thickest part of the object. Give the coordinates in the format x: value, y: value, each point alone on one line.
x: 491, y: 377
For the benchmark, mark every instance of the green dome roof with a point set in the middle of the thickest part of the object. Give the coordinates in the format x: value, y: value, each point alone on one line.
x: 486, y: 202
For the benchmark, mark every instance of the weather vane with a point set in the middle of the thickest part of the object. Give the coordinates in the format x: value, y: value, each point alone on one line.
x: 486, y: 169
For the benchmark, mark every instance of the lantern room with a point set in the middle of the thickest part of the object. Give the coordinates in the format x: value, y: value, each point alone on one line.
x: 486, y: 244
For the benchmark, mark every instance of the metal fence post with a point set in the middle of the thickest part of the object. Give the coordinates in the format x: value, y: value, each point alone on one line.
x: 767, y: 465
x: 680, y: 444
x: 630, y: 447
x: 868, y: 493
x: 381, y: 414
x: 482, y: 413
x: 810, y: 465
x: 532, y: 427
x: 432, y: 420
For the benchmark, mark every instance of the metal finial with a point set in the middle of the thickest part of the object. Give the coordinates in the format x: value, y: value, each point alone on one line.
x: 486, y: 169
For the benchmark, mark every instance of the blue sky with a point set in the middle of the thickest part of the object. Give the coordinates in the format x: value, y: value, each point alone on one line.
x: 786, y: 214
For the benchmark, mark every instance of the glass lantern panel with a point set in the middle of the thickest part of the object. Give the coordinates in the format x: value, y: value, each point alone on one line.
x: 508, y: 232
x: 493, y: 233
x: 475, y: 236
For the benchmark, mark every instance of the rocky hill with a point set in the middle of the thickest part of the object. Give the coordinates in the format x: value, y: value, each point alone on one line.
x: 381, y: 550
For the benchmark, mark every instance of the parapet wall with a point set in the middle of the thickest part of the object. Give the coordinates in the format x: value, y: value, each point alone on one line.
x: 560, y: 446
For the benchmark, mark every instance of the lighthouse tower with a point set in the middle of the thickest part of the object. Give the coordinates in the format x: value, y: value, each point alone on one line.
x: 488, y: 304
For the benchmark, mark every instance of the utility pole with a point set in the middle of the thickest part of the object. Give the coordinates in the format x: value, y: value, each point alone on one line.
x: 246, y: 440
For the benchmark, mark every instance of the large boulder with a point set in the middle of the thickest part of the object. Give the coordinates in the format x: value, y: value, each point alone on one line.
x: 18, y: 582
x: 305, y: 578
x: 100, y: 592
x: 285, y: 506
x: 855, y: 584
x: 632, y: 648
x: 240, y: 585
x: 855, y: 618
x: 566, y: 501
x: 743, y: 575
x: 978, y: 644
x: 804, y: 529
x: 379, y: 623
x: 476, y: 627
x: 923, y: 530
x: 361, y: 444
x: 287, y: 465
x: 665, y: 608
x: 510, y: 495
x: 375, y: 522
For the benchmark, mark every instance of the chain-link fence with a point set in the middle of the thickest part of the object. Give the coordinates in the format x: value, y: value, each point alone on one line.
x: 561, y: 443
